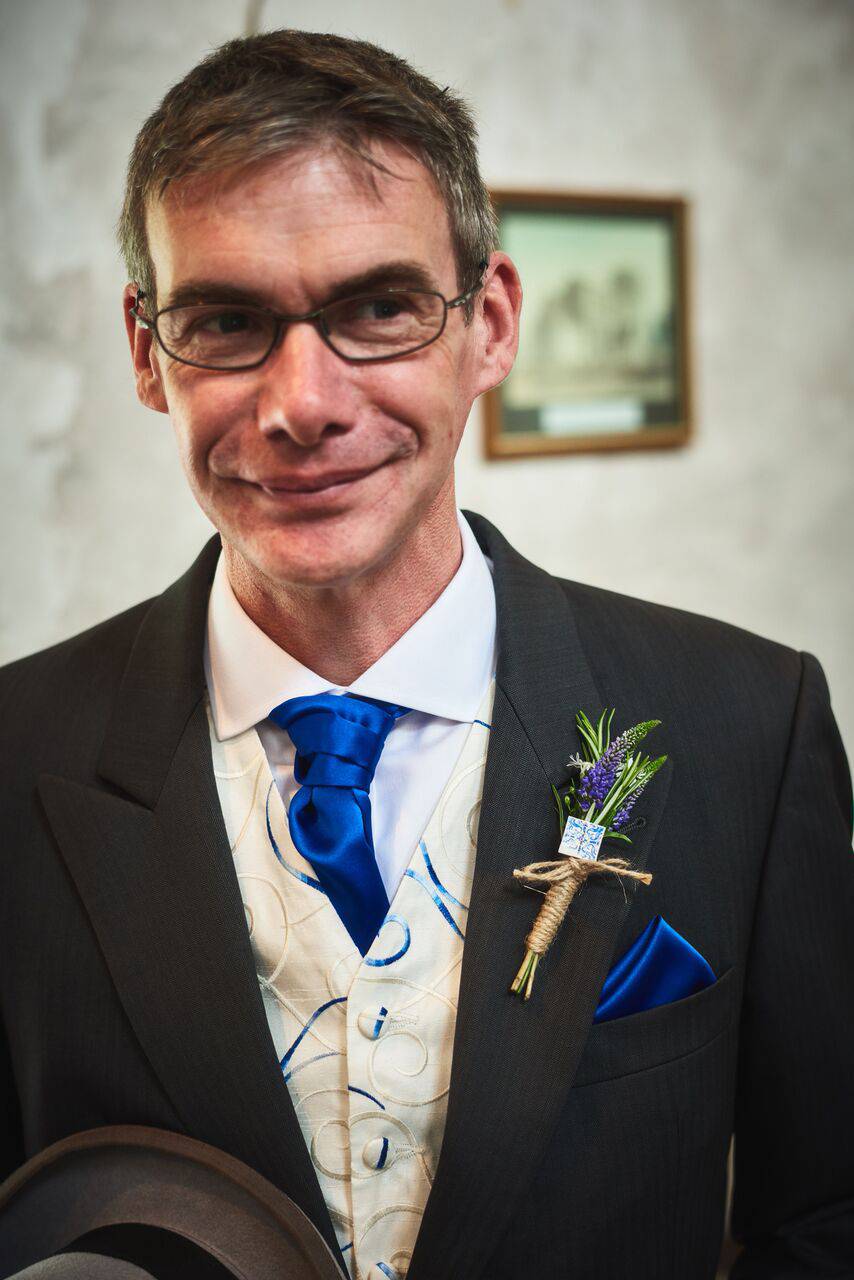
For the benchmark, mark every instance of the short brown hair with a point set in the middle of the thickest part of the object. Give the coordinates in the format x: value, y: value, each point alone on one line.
x: 283, y: 90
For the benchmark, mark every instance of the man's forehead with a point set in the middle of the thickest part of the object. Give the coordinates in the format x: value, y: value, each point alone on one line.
x: 303, y: 205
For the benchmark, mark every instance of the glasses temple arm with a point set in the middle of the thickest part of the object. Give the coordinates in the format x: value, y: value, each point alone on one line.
x: 134, y: 310
x: 464, y: 297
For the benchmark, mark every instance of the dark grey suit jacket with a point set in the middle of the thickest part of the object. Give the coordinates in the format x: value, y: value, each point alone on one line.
x: 596, y: 1152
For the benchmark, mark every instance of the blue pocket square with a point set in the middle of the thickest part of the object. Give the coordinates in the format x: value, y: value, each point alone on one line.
x: 658, y: 968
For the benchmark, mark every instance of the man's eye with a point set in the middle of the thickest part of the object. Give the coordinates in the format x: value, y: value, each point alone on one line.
x: 377, y: 309
x: 383, y: 324
x: 223, y: 323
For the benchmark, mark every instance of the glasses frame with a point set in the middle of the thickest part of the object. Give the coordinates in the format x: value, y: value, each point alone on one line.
x: 317, y: 318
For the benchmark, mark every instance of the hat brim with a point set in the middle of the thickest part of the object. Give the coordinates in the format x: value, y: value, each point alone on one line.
x: 122, y: 1174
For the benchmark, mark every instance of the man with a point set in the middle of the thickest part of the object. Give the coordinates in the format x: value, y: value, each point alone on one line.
x: 261, y: 830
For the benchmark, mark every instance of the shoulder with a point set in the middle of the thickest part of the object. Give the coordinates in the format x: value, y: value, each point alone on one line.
x: 84, y: 653
x: 58, y: 700
x: 700, y: 666
x: 678, y: 634
x: 657, y: 649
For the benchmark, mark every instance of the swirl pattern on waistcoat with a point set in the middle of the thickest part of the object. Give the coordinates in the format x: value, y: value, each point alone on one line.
x: 365, y: 1043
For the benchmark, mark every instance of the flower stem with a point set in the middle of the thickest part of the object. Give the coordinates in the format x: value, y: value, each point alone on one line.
x: 524, y: 980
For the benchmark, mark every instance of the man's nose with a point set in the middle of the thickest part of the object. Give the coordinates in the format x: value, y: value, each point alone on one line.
x: 304, y: 390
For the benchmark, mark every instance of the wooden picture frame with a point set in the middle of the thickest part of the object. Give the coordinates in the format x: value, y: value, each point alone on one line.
x: 604, y: 354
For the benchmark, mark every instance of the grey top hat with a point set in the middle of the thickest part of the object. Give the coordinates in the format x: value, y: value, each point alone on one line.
x: 126, y: 1202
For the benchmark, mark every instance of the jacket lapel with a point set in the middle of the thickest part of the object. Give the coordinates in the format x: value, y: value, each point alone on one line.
x: 514, y: 1061
x: 150, y: 858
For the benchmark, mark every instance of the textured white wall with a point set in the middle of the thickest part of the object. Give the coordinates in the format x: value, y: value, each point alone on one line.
x: 745, y: 108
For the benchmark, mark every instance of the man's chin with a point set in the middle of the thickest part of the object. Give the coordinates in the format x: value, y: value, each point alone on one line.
x: 309, y: 557
x: 315, y: 574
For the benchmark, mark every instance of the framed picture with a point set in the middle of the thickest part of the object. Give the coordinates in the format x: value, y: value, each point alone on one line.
x: 604, y: 351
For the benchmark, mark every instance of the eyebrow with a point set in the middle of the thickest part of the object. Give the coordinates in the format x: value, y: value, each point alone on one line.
x: 387, y: 275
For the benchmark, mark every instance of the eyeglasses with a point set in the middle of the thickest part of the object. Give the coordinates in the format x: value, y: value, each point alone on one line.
x: 365, y: 328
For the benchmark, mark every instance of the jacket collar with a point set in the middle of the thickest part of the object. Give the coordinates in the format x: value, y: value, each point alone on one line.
x: 540, y: 663
x: 162, y: 684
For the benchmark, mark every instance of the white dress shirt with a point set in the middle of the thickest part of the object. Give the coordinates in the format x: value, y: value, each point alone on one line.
x: 441, y: 668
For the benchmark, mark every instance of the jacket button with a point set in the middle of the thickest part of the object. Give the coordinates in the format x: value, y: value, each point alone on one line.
x: 372, y: 1021
x: 378, y: 1153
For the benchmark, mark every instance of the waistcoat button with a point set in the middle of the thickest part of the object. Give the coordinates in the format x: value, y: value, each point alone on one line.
x: 378, y: 1153
x: 372, y: 1021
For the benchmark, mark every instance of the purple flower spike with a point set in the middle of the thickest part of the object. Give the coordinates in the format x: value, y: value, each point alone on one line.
x: 622, y: 815
x: 599, y: 780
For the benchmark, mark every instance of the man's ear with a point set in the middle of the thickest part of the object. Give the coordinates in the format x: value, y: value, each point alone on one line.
x: 498, y: 307
x: 146, y: 367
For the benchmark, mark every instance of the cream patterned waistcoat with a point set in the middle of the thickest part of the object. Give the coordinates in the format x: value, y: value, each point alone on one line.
x: 365, y: 1043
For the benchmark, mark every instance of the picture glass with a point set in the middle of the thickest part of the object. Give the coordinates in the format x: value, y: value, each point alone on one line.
x: 598, y: 349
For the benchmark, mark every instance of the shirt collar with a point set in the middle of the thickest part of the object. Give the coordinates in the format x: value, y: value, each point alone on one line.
x: 441, y: 665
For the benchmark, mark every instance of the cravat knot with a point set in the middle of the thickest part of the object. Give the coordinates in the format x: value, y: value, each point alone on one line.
x: 338, y: 738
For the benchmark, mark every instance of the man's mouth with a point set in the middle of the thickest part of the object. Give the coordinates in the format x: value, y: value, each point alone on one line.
x: 291, y: 484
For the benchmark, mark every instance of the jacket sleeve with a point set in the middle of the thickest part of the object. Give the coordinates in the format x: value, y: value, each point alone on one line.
x: 793, y: 1202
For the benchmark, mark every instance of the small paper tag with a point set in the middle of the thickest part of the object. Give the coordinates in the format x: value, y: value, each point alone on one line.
x: 582, y: 839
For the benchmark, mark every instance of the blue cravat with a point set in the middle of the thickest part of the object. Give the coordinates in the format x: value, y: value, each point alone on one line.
x: 339, y: 740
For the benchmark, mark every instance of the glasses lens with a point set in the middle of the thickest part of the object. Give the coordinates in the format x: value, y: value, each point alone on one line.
x: 217, y: 337
x: 384, y: 324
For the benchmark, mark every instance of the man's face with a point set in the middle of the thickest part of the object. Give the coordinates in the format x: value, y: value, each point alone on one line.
x: 315, y: 470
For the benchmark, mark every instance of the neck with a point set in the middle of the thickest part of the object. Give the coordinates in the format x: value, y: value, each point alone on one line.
x: 340, y: 631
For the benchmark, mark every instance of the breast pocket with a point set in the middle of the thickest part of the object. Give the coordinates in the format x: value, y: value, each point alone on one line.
x: 656, y: 1036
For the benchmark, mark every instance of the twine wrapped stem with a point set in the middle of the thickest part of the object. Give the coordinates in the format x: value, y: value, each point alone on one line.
x: 561, y: 879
